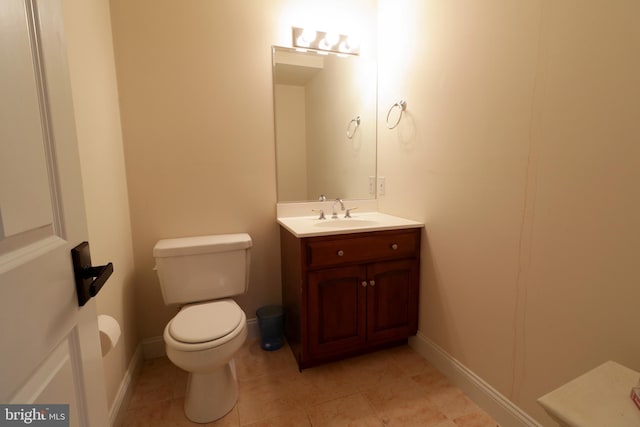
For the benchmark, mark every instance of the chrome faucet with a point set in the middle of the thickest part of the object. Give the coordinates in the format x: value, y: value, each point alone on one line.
x: 334, y: 215
x: 348, y: 212
x: 321, y: 213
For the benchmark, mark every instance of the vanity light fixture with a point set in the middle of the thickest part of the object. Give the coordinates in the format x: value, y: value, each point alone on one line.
x: 306, y: 37
x: 323, y: 42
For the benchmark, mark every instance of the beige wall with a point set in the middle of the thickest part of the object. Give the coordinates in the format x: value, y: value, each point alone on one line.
x: 520, y: 152
x: 196, y: 99
x: 92, y: 71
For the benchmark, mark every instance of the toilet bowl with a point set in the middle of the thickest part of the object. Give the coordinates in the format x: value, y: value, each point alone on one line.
x: 202, y: 340
x: 201, y: 274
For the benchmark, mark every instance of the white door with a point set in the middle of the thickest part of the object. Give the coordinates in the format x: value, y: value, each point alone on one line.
x: 49, y: 346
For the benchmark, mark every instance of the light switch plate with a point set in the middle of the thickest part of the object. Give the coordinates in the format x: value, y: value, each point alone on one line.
x: 372, y: 185
x: 382, y: 186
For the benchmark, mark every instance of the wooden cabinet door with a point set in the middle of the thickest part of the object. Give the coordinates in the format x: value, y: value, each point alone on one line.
x: 336, y: 310
x: 392, y: 300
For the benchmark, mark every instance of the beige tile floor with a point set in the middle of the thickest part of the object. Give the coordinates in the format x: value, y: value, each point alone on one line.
x: 393, y: 387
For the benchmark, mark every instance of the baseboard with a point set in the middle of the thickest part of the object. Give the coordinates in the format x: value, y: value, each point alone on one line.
x: 252, y: 328
x: 123, y: 397
x: 497, y: 405
x: 154, y: 347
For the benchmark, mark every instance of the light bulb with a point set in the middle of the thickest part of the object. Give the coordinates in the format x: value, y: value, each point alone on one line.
x: 353, y: 43
x: 307, y: 37
x: 331, y: 39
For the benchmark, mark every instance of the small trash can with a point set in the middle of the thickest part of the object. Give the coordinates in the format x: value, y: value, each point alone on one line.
x: 270, y: 322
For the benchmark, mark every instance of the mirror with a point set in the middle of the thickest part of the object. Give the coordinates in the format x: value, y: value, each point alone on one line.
x: 325, y: 121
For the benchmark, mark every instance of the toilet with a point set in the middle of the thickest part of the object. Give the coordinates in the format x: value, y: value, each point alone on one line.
x: 201, y: 274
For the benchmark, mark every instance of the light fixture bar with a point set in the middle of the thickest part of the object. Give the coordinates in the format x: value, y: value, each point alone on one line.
x: 325, y: 41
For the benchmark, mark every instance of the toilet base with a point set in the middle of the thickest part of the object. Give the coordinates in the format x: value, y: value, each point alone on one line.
x: 211, y: 396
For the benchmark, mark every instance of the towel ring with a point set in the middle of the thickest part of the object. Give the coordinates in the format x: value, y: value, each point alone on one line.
x: 350, y: 132
x: 402, y: 104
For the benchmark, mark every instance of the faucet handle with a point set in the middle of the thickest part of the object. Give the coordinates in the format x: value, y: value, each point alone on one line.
x: 321, y: 213
x: 322, y: 198
x: 348, y: 213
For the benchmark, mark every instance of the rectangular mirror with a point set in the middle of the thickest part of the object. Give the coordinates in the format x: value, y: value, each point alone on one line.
x: 325, y: 123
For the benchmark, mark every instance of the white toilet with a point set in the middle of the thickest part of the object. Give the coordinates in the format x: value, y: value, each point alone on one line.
x: 202, y: 273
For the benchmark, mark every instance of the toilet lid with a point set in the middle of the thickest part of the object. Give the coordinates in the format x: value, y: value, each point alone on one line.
x: 205, y: 322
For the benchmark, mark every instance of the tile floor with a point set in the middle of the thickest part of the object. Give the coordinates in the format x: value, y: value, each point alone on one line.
x: 394, y: 387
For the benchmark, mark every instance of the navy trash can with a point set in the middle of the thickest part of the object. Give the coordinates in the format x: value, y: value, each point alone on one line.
x: 270, y: 322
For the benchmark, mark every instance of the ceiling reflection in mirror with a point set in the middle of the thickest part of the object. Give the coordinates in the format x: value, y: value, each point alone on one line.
x: 325, y: 122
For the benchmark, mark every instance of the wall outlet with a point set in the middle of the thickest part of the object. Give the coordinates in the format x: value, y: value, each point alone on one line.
x: 372, y: 185
x: 382, y: 186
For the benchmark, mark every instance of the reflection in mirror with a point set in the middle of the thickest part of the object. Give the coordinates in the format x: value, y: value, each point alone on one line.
x: 320, y: 147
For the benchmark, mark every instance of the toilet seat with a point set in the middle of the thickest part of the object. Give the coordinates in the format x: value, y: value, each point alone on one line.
x: 205, y: 325
x: 198, y: 323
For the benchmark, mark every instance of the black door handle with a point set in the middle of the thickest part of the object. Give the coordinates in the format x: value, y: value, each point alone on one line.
x: 89, y: 279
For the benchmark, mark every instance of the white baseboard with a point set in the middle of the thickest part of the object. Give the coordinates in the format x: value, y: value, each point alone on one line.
x: 121, y: 402
x: 252, y: 328
x: 154, y: 347
x: 493, y: 402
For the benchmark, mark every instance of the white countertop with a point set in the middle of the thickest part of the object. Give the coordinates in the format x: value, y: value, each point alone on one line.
x: 311, y: 226
x: 601, y: 397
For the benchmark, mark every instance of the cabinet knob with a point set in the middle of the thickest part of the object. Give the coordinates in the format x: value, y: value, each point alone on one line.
x: 394, y: 246
x: 340, y: 252
x: 364, y: 284
x: 372, y: 283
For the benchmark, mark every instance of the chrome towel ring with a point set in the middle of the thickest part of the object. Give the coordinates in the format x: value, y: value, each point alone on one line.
x: 402, y: 105
x: 350, y: 132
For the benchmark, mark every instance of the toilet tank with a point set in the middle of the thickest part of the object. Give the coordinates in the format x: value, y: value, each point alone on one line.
x: 203, y: 268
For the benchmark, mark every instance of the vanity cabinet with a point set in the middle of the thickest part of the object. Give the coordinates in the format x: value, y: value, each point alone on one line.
x: 348, y: 294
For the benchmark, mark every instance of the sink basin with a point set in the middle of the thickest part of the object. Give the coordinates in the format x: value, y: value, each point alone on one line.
x: 309, y: 226
x: 346, y: 223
